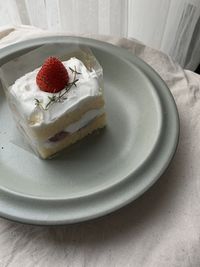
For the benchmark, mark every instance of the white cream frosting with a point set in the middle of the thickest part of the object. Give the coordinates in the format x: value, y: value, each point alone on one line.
x: 25, y: 90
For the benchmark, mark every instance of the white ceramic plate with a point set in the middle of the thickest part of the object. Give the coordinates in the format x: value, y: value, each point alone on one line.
x: 103, y: 172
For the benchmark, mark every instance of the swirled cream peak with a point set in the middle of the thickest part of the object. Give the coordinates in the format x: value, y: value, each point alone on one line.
x: 25, y: 90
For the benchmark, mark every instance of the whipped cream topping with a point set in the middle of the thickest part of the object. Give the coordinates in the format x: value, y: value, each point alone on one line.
x: 25, y: 90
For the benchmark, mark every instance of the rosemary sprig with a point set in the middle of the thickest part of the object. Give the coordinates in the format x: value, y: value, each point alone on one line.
x: 61, y: 96
x: 74, y: 71
x: 38, y: 103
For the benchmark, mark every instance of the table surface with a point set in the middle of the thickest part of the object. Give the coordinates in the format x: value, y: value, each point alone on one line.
x: 161, y: 228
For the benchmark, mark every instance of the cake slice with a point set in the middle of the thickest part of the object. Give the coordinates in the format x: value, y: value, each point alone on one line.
x: 57, y: 105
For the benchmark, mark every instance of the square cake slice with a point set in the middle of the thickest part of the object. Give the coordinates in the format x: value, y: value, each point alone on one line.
x: 57, y: 105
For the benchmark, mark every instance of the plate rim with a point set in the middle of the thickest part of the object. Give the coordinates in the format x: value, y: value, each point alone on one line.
x: 145, y: 69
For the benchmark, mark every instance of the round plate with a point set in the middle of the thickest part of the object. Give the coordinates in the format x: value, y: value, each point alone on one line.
x: 103, y: 172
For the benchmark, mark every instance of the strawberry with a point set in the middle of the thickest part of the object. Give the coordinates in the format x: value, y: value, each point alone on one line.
x: 53, y: 76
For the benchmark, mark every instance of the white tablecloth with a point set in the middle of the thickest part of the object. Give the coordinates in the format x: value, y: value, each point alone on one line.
x: 161, y: 228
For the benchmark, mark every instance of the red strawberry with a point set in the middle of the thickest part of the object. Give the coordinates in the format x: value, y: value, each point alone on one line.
x: 53, y: 76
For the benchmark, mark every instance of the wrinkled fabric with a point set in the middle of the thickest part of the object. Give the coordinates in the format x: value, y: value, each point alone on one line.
x: 161, y: 228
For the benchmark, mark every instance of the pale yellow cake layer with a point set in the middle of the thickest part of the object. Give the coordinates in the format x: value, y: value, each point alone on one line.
x: 44, y: 133
x: 46, y: 152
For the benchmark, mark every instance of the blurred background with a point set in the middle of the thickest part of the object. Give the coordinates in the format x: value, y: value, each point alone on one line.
x: 172, y: 26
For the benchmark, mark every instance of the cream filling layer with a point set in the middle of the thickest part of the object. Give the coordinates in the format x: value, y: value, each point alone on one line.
x: 85, y: 119
x: 74, y: 127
